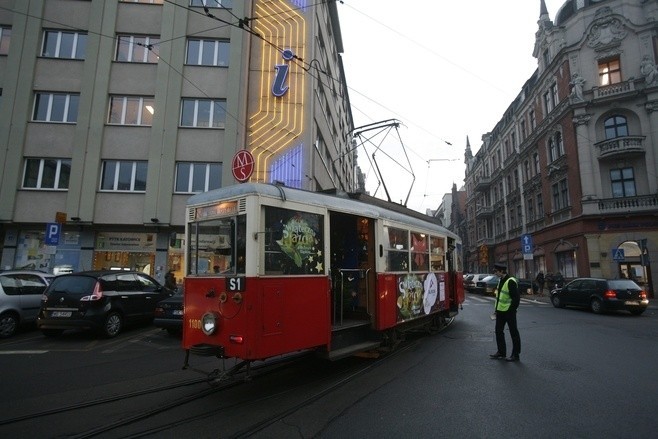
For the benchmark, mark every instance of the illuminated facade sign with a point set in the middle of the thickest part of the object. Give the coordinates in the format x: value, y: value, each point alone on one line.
x: 277, y: 91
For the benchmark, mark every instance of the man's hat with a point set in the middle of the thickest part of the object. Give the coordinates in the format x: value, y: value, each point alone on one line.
x: 500, y: 267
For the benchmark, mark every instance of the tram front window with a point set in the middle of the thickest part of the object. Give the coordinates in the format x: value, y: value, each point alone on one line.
x: 217, y: 246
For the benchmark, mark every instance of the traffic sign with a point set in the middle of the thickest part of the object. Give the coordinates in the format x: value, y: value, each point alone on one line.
x: 242, y: 165
x: 526, y: 244
x: 53, y: 232
x: 618, y: 254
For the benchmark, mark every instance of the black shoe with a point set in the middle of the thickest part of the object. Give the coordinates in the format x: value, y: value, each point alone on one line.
x: 497, y: 356
x: 513, y: 358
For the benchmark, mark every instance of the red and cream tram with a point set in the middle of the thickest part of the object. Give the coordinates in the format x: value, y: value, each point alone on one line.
x: 272, y: 270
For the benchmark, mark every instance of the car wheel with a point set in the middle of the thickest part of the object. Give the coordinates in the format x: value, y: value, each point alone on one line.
x: 113, y: 324
x: 596, y: 306
x: 555, y: 300
x: 8, y: 324
x: 636, y: 311
x: 52, y: 332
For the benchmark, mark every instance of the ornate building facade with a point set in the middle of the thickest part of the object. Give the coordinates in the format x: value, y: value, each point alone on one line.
x: 112, y: 113
x: 567, y: 181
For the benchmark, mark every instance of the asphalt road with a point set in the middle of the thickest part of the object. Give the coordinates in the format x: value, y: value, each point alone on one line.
x: 580, y: 375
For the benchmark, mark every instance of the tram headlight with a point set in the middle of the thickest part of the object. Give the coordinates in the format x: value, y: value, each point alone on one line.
x: 209, y: 323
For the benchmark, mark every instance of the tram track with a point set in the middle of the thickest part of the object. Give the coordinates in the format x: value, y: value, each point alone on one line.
x: 161, y: 408
x: 335, y: 381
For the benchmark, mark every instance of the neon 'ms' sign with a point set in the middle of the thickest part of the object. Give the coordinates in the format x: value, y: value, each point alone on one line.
x: 279, y: 87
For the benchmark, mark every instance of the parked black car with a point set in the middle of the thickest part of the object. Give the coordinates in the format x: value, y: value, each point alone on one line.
x: 104, y: 301
x: 169, y: 314
x: 602, y: 295
x: 488, y: 285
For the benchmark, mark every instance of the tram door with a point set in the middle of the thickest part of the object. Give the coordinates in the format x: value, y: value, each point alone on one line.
x: 352, y: 267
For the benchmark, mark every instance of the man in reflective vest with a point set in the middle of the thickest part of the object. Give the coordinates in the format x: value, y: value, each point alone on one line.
x: 507, y: 302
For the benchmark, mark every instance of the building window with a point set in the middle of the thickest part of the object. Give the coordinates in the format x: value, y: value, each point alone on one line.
x: 554, y: 96
x: 623, y: 182
x: 123, y: 176
x: 552, y: 150
x: 131, y: 110
x: 609, y: 72
x: 615, y: 126
x: 58, y: 44
x: 548, y: 102
x: 560, y: 195
x: 523, y: 132
x: 207, y: 53
x: 540, y: 206
x: 555, y: 147
x: 533, y: 120
x: 526, y: 170
x: 212, y: 3
x: 137, y: 49
x: 198, y: 177
x: 547, y: 58
x: 535, y: 159
x: 46, y: 174
x: 203, y: 113
x: 5, y: 39
x: 530, y: 211
x: 559, y: 143
x: 56, y: 107
x: 566, y: 263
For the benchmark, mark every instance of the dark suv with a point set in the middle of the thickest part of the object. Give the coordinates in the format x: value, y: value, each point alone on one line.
x: 601, y: 295
x: 104, y: 301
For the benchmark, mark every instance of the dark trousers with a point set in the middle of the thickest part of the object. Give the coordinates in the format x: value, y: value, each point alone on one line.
x: 509, y: 318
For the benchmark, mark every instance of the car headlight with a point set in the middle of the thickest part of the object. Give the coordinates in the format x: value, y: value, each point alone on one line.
x: 209, y: 323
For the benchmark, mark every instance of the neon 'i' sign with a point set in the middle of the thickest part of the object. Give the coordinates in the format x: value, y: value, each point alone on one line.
x: 279, y: 86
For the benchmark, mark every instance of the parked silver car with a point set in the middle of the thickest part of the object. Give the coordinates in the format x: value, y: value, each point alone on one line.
x: 20, y: 298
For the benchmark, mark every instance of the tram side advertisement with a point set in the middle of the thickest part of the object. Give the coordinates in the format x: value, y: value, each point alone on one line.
x: 420, y: 295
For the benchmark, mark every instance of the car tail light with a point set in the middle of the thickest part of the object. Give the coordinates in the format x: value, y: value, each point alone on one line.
x: 159, y: 311
x: 610, y: 294
x: 96, y: 295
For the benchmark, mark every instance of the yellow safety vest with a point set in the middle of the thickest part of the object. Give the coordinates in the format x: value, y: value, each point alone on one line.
x: 504, y: 299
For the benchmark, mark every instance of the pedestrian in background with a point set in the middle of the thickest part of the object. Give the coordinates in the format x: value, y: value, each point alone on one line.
x: 507, y: 302
x: 170, y: 281
x: 540, y: 282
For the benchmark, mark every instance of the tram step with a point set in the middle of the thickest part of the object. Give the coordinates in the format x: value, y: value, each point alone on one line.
x: 350, y: 350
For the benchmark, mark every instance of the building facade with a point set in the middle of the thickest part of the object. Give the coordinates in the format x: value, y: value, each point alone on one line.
x: 112, y: 113
x: 567, y: 180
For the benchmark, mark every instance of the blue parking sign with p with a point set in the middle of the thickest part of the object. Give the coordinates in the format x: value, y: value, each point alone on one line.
x: 53, y: 231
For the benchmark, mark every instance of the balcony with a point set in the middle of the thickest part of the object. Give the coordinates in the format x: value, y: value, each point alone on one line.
x: 613, y: 90
x: 483, y: 212
x: 483, y: 184
x: 485, y: 241
x: 620, y: 147
x: 610, y: 206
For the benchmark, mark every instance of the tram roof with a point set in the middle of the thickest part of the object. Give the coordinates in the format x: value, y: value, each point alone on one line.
x: 334, y: 200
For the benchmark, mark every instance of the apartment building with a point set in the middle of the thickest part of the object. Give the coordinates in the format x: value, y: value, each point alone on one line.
x: 567, y: 180
x: 112, y: 113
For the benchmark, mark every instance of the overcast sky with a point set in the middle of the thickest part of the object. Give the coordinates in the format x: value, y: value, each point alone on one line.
x: 445, y: 70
